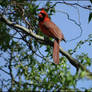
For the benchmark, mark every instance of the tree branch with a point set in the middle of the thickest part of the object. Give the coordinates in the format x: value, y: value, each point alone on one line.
x: 89, y: 7
x: 72, y: 60
x: 75, y: 22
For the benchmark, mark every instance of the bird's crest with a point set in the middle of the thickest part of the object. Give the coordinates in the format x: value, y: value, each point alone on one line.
x: 43, y: 11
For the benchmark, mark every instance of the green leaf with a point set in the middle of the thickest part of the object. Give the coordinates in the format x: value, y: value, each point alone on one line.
x: 91, y: 1
x: 90, y: 17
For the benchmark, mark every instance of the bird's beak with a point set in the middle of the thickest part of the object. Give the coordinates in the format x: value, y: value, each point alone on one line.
x: 40, y: 15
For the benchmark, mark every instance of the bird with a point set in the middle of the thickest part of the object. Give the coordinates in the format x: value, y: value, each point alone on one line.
x: 50, y: 29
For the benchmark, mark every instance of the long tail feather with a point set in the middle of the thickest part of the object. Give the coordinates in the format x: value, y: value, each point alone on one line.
x: 56, y: 51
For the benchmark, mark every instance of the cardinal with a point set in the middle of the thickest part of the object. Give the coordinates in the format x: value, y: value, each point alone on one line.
x: 51, y: 30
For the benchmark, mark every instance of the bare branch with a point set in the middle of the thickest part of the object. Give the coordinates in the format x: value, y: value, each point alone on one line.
x: 89, y: 7
x: 4, y: 71
x: 75, y: 22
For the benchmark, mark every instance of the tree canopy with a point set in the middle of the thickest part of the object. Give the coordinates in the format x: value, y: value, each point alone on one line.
x: 26, y: 53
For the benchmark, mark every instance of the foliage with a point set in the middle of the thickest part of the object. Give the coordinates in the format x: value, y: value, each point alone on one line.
x: 90, y: 17
x: 91, y: 1
x: 25, y: 66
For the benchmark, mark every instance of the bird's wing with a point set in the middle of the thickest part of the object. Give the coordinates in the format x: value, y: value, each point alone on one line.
x: 53, y: 30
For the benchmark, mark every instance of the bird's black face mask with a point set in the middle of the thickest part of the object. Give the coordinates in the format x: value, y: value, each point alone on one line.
x: 41, y: 16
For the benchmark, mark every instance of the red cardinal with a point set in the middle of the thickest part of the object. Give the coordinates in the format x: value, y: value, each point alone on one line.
x: 50, y: 29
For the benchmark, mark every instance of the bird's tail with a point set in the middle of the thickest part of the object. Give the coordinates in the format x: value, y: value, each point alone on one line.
x: 56, y: 51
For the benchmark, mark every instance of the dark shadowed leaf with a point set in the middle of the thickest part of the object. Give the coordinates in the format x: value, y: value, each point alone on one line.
x: 91, y: 1
x: 90, y: 17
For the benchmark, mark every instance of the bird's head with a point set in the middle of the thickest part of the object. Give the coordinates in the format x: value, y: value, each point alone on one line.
x: 43, y: 14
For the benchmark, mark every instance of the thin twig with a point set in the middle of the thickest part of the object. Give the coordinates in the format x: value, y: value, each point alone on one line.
x: 75, y: 22
x: 72, y: 4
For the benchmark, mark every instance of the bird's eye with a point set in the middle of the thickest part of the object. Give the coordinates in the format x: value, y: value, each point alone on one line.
x: 43, y: 14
